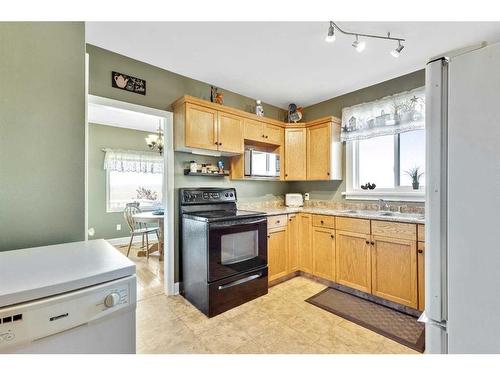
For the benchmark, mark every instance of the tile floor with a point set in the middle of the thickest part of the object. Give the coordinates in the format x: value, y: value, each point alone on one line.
x: 280, y: 322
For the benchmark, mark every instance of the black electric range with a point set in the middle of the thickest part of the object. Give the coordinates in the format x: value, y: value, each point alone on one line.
x: 223, y: 250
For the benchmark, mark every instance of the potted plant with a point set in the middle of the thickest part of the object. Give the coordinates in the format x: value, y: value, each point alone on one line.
x: 415, y: 175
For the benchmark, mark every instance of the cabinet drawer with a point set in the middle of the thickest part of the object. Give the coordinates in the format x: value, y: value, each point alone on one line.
x: 394, y: 230
x: 421, y: 232
x: 276, y: 221
x: 324, y: 221
x: 350, y: 224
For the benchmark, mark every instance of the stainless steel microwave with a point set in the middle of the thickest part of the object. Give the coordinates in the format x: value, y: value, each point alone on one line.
x: 261, y: 164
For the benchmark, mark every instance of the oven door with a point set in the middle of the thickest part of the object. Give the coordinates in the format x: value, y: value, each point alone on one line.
x: 236, y: 246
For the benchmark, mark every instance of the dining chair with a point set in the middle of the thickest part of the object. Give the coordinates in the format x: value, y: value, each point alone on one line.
x: 136, y: 228
x: 141, y: 224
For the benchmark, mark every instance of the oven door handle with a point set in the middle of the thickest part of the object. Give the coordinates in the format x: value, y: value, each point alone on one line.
x: 236, y: 223
x: 240, y: 281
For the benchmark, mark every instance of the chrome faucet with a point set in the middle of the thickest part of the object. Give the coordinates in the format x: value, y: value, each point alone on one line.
x: 383, y: 205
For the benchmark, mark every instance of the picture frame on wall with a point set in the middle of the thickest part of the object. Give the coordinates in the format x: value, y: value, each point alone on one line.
x: 128, y: 83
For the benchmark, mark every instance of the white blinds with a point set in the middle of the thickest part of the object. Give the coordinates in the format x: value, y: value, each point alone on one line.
x: 133, y: 161
x: 390, y: 115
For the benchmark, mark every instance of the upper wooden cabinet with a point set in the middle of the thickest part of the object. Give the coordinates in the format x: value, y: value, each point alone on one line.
x: 201, y: 129
x: 394, y: 270
x: 295, y: 154
x: 324, y: 150
x: 261, y: 131
x: 230, y: 133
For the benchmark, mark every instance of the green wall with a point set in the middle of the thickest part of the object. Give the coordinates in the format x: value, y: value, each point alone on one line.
x: 42, y: 133
x: 332, y: 190
x: 102, y: 136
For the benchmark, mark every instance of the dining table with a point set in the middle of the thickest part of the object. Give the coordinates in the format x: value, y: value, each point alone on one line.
x: 152, y: 217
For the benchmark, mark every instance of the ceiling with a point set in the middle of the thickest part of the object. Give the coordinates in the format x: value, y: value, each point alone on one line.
x: 284, y: 62
x: 122, y: 118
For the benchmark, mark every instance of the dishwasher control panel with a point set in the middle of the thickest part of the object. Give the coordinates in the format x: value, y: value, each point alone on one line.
x: 27, y: 322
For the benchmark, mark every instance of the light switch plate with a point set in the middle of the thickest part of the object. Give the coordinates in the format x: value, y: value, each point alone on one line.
x: 118, y: 227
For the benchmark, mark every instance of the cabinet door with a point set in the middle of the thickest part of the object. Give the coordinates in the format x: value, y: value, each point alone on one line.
x: 295, y: 154
x: 230, y: 131
x: 394, y: 270
x: 352, y: 260
x: 305, y: 242
x: 273, y: 134
x: 293, y: 243
x: 318, y: 152
x: 277, y: 253
x: 253, y: 130
x: 323, y: 245
x: 200, y: 127
x: 421, y: 275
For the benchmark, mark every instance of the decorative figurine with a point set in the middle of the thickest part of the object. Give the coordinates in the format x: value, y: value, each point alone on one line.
x: 259, y: 109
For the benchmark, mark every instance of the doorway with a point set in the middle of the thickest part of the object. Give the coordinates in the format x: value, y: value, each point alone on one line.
x: 122, y: 169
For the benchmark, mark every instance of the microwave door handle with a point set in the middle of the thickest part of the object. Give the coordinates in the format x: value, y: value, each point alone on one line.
x: 240, y: 281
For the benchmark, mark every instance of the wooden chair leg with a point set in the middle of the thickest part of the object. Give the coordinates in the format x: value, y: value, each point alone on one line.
x: 147, y: 247
x: 130, y: 244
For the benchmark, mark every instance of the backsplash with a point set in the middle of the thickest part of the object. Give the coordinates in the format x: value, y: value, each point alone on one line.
x: 279, y: 201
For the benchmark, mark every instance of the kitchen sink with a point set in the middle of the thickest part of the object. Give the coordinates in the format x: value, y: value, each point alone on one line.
x: 350, y: 212
x: 387, y: 213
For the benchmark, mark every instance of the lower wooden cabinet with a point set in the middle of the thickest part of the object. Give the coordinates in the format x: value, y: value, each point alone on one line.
x: 293, y: 243
x: 353, y: 261
x: 277, y: 252
x: 421, y: 274
x: 305, y: 242
x: 323, y: 246
x: 394, y: 270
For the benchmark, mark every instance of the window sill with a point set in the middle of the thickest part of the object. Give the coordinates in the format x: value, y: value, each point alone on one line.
x: 395, y: 196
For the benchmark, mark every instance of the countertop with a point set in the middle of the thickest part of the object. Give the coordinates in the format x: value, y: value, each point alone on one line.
x: 40, y: 272
x: 361, y: 214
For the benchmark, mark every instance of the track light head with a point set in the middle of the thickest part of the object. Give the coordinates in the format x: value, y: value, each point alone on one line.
x: 397, y: 51
x: 330, y: 37
x: 360, y: 46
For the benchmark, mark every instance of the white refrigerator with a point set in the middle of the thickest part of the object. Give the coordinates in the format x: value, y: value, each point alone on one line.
x: 462, y: 265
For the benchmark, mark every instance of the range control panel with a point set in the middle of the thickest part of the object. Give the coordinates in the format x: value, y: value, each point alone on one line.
x: 207, y: 196
x: 23, y: 323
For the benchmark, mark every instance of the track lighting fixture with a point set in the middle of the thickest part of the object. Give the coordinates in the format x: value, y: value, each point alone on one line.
x: 397, y: 51
x: 360, y: 45
x: 330, y: 37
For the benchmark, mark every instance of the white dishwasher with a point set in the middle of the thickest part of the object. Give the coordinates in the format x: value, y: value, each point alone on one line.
x: 70, y: 298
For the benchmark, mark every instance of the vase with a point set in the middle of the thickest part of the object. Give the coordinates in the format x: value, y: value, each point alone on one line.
x: 416, y: 185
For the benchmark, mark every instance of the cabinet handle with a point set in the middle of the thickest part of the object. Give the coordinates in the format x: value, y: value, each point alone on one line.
x: 267, y: 136
x: 263, y: 136
x: 286, y: 174
x: 321, y: 222
x: 268, y: 236
x: 328, y: 173
x: 373, y: 243
x: 367, y: 242
x: 277, y: 221
x: 220, y: 144
x: 420, y: 251
x: 216, y: 143
x: 332, y: 236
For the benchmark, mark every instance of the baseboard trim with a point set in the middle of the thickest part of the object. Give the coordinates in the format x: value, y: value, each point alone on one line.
x: 176, y: 289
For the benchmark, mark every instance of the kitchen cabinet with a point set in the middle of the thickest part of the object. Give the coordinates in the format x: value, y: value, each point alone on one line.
x: 394, y: 269
x: 305, y: 240
x: 230, y: 133
x: 295, y: 154
x: 201, y: 127
x: 260, y: 131
x: 353, y: 260
x: 293, y: 243
x: 324, y: 151
x: 277, y: 252
x: 421, y: 274
x: 323, y: 246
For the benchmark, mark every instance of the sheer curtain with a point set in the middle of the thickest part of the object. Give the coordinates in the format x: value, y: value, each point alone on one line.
x: 390, y: 115
x: 133, y: 161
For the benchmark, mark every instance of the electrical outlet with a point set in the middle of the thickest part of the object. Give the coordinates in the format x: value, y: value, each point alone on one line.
x: 91, y: 232
x: 118, y: 227
x: 306, y: 196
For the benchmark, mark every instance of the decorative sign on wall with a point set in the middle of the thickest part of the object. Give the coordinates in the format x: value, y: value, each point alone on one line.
x: 128, y: 83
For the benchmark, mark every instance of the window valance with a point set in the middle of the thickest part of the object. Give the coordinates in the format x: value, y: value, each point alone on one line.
x: 390, y: 115
x: 132, y: 161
